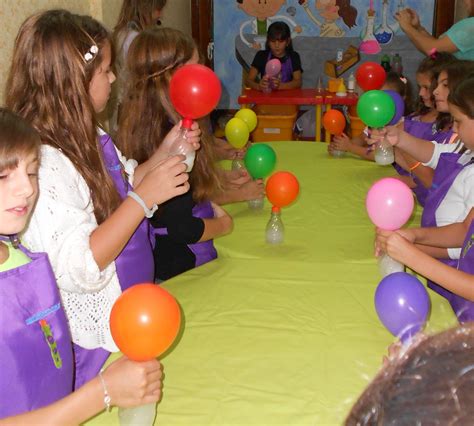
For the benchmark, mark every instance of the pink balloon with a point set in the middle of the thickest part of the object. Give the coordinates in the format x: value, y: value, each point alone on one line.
x: 389, y: 203
x: 273, y: 67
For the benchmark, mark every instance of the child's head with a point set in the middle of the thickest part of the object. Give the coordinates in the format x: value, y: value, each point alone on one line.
x: 431, y: 380
x: 19, y: 160
x: 59, y: 78
x: 147, y: 112
x: 461, y: 106
x: 279, y: 39
x: 402, y: 86
x: 139, y: 14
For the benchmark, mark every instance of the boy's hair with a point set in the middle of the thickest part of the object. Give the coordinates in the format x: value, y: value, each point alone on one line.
x: 147, y: 112
x: 279, y: 31
x: 48, y: 85
x: 347, y: 12
x: 431, y: 383
x: 17, y: 139
x: 463, y: 96
x: 138, y: 13
x: 403, y: 87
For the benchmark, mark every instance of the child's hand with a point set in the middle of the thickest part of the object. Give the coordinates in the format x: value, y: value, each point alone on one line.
x: 237, y: 178
x: 391, y: 133
x: 394, y: 243
x: 225, y: 151
x: 253, y: 190
x: 341, y: 142
x: 131, y: 383
x: 164, y: 181
x: 193, y: 136
x: 264, y: 83
x: 276, y: 82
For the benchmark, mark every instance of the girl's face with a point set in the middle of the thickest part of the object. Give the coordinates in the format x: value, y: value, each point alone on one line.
x: 441, y: 92
x: 463, y: 126
x: 328, y: 9
x: 18, y: 191
x: 278, y: 47
x: 99, y: 87
x: 424, y: 89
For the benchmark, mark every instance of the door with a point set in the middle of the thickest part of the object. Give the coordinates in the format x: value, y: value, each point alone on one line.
x: 202, y: 28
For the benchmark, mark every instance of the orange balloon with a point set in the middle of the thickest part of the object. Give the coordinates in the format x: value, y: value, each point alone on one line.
x: 334, y: 121
x: 145, y: 321
x: 282, y: 188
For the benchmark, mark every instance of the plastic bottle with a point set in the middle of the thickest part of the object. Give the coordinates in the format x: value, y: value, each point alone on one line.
x: 275, y: 230
x: 383, y: 153
x: 182, y: 146
x: 388, y: 265
x: 143, y: 415
x: 385, y: 62
x: 397, y: 64
x: 238, y: 164
x: 256, y: 204
x: 351, y: 82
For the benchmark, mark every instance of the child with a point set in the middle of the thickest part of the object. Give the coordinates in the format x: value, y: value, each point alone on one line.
x: 36, y: 358
x: 452, y: 194
x: 428, y: 384
x: 135, y: 16
x: 186, y: 225
x: 278, y: 46
x: 88, y: 219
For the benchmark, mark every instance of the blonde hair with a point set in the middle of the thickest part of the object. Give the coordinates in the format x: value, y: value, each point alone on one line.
x: 147, y: 113
x: 48, y: 85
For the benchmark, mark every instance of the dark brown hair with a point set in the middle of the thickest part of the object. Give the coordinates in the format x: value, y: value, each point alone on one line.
x: 147, y: 113
x: 403, y: 87
x: 138, y: 13
x: 432, y: 383
x: 463, y: 96
x: 48, y: 85
x: 17, y: 139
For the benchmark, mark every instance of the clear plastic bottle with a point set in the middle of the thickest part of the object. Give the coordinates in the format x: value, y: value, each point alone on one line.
x: 385, y: 62
x: 388, y: 265
x: 383, y: 153
x: 238, y: 164
x: 275, y: 231
x: 351, y: 82
x: 256, y: 204
x: 143, y: 415
x: 182, y: 146
x: 397, y: 65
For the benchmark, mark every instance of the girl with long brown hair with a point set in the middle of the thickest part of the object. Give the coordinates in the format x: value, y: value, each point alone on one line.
x: 146, y: 115
x: 88, y: 218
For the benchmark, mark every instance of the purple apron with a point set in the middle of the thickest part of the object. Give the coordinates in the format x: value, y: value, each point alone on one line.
x: 426, y: 131
x: 286, y: 68
x: 134, y: 264
x: 204, y: 251
x: 36, y: 354
x: 445, y: 173
x: 463, y: 308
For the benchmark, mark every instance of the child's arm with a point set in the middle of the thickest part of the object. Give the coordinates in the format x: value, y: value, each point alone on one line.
x: 223, y: 150
x: 247, y: 189
x: 220, y: 225
x: 407, y: 253
x: 128, y: 384
x: 295, y: 83
x: 407, y: 162
x: 354, y: 146
x: 251, y: 80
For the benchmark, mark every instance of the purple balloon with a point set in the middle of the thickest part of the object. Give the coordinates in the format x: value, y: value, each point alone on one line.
x: 402, y: 304
x: 399, y: 107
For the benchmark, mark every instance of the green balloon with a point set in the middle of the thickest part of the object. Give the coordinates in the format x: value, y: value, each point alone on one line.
x: 260, y: 160
x: 376, y: 108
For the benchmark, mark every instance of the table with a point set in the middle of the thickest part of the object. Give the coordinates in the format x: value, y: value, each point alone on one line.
x: 299, y: 97
x: 284, y: 334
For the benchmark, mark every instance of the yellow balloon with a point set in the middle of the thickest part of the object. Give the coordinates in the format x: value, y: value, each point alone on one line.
x: 249, y: 117
x: 237, y: 132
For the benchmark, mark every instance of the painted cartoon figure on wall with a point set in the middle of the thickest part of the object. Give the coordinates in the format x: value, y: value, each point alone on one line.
x: 331, y: 11
x: 264, y: 12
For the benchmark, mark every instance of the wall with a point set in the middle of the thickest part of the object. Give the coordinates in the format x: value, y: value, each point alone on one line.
x: 177, y: 14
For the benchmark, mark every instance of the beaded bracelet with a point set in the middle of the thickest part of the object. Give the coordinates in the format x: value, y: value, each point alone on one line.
x: 415, y: 166
x: 107, y: 399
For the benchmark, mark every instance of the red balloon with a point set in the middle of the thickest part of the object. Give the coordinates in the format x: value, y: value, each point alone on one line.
x: 282, y: 188
x: 370, y: 76
x: 334, y: 121
x: 144, y: 321
x: 195, y: 90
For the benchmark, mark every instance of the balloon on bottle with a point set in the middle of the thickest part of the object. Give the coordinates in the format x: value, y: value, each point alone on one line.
x: 389, y: 203
x: 399, y: 106
x: 402, y: 304
x: 144, y: 321
x: 237, y: 132
x: 370, y: 76
x: 249, y: 117
x: 260, y: 160
x: 282, y: 188
x: 334, y: 121
x: 194, y: 91
x: 376, y: 108
x: 272, y: 67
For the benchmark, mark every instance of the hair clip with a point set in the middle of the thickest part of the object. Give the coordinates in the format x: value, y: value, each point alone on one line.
x: 403, y: 80
x: 90, y: 54
x: 433, y: 53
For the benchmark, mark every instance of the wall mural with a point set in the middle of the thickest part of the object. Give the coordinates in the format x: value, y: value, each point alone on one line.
x: 320, y: 28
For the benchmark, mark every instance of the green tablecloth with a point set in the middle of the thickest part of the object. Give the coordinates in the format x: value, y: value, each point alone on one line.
x: 284, y: 334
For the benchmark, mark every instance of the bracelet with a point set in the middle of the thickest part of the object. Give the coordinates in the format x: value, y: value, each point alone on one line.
x: 107, y: 399
x: 148, y: 212
x: 415, y: 166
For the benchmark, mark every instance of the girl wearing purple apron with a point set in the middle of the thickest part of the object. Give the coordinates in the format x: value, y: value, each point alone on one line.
x: 37, y: 379
x: 87, y: 219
